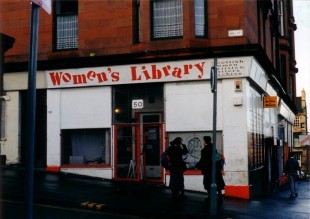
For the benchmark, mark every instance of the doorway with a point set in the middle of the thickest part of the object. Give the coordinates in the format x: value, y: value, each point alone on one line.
x: 138, y: 147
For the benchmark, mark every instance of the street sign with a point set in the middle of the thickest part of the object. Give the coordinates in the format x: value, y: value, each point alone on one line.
x: 213, y: 79
x: 137, y: 104
x: 45, y: 4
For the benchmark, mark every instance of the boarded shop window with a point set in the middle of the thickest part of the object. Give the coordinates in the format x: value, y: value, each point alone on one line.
x: 65, y: 25
x: 86, y: 146
x: 200, y: 18
x: 167, y: 19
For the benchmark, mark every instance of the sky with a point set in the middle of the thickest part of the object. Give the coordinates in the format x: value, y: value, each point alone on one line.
x: 302, y: 49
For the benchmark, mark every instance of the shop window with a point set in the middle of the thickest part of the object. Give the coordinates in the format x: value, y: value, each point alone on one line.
x: 256, y: 137
x: 167, y: 20
x: 65, y: 24
x: 194, y: 143
x: 200, y: 18
x: 85, y: 146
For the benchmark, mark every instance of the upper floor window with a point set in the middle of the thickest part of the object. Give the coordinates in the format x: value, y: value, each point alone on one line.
x: 136, y: 19
x: 65, y: 24
x: 200, y: 18
x: 297, y: 121
x: 167, y: 19
x: 281, y: 18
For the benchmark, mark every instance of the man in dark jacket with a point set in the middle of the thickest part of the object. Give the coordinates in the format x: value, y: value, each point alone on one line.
x: 176, y: 151
x: 291, y: 168
x: 205, y: 164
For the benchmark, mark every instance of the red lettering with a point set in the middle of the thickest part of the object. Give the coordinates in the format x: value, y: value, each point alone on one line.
x: 115, y: 76
x: 91, y: 75
x: 55, y: 77
x: 146, y: 73
x: 166, y: 70
x: 134, y: 76
x: 199, y: 66
x: 156, y: 73
x: 177, y: 72
x: 187, y: 68
x: 102, y: 77
x: 79, y: 79
x: 66, y: 77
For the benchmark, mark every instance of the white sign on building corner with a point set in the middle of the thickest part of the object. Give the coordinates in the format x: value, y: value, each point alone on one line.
x: 45, y: 4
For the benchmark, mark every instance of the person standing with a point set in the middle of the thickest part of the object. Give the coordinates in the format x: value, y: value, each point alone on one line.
x: 291, y: 168
x: 205, y: 165
x: 176, y: 151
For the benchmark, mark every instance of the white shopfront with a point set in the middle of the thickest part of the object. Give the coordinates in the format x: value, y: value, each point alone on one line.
x: 93, y: 130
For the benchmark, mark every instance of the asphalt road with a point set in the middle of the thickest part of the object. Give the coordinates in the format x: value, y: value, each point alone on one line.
x: 59, y: 195
x: 15, y: 210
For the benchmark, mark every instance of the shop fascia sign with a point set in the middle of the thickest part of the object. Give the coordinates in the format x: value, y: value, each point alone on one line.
x: 189, y: 70
x: 270, y: 102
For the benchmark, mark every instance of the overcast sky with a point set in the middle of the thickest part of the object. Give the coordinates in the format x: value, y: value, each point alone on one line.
x: 302, y: 49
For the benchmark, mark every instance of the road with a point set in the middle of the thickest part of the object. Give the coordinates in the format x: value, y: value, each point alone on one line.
x: 59, y: 195
x: 15, y: 210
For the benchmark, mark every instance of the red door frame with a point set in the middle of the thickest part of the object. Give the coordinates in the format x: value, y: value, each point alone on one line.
x: 162, y: 142
x: 138, y: 149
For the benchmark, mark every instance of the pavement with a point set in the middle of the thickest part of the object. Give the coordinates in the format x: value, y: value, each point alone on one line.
x: 147, y: 200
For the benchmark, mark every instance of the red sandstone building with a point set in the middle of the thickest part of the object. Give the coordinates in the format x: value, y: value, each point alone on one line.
x: 118, y: 80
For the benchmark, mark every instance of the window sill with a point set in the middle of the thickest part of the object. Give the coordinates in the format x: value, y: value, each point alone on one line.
x: 85, y: 166
x: 188, y: 172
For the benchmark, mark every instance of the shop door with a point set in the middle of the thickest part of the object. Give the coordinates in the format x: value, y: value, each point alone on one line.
x: 151, y: 144
x: 137, y: 149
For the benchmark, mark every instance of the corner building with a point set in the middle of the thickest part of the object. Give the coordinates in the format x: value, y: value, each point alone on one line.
x: 118, y: 80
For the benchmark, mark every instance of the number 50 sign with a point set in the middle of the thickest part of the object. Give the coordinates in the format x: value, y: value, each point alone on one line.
x: 137, y: 104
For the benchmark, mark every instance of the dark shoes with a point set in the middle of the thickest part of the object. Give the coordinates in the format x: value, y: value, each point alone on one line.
x: 292, y: 196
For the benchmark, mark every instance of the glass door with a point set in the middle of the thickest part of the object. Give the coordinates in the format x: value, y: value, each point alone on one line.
x: 151, y: 144
x: 137, y: 149
x: 126, y: 159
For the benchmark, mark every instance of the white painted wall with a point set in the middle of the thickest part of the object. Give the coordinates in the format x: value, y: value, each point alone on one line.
x: 19, y: 81
x: 53, y: 128
x: 189, y: 106
x: 235, y: 133
x: 89, y: 107
x: 105, y: 173
x: 10, y: 146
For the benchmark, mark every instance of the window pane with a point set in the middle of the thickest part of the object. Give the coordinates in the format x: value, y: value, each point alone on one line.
x: 200, y: 17
x: 167, y: 18
x: 67, y: 32
x: 85, y: 146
